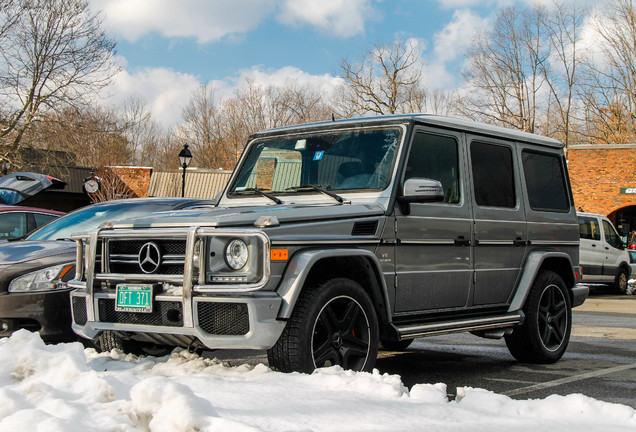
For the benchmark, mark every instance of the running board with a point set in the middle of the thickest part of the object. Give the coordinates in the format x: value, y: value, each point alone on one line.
x: 472, y: 324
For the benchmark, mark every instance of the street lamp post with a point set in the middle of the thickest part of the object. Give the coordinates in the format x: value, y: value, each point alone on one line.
x: 184, y: 157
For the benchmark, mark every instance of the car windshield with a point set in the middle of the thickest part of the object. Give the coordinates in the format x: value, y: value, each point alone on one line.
x: 353, y: 159
x: 91, y: 217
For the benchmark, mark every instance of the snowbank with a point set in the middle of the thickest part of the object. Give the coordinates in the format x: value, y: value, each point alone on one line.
x: 66, y: 388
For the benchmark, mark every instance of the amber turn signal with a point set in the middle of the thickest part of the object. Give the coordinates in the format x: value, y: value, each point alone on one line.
x: 279, y: 254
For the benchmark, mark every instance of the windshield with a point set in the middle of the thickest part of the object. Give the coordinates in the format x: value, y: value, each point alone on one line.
x: 91, y: 217
x: 359, y: 159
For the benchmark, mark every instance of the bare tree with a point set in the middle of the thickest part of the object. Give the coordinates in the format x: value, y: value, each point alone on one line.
x: 202, y: 130
x: 293, y: 103
x: 384, y: 81
x: 506, y: 70
x: 111, y: 187
x: 138, y: 127
x: 610, y: 95
x: 94, y: 136
x: 53, y: 54
x: 564, y: 26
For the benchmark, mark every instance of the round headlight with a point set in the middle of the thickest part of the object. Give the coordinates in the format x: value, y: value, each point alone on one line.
x: 236, y: 254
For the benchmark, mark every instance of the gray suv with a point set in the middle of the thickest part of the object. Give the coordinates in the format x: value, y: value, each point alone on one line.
x: 334, y: 239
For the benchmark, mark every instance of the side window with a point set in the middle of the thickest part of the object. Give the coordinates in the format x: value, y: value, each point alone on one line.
x: 545, y: 180
x: 42, y: 219
x: 588, y: 228
x: 493, y: 176
x: 12, y: 225
x: 611, y: 236
x: 436, y: 157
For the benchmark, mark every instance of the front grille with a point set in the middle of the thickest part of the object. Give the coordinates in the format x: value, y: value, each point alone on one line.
x: 79, y: 310
x: 164, y: 313
x: 224, y: 318
x: 123, y: 256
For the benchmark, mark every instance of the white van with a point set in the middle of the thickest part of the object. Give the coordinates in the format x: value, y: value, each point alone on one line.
x: 602, y: 254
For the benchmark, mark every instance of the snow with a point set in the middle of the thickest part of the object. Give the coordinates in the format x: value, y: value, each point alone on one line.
x: 68, y: 388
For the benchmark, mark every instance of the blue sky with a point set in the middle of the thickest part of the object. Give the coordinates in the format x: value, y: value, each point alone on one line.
x: 169, y: 47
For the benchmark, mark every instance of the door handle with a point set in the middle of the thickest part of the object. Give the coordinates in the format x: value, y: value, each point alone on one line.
x: 462, y: 241
x: 519, y: 242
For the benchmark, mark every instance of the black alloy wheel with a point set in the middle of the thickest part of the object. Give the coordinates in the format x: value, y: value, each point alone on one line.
x: 341, y: 335
x: 333, y: 323
x: 545, y: 333
x: 553, y: 317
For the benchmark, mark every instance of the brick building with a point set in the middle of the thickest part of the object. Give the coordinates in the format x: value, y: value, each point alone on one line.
x: 603, y: 181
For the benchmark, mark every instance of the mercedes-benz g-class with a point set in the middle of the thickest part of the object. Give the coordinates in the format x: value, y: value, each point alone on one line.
x: 335, y: 238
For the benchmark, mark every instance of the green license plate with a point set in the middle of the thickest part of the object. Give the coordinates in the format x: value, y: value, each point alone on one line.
x: 134, y: 298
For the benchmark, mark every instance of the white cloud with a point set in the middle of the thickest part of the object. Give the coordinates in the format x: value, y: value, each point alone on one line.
x: 204, y: 20
x: 339, y: 17
x: 458, y: 34
x: 452, y: 4
x: 325, y: 83
x: 212, y: 20
x: 167, y: 92
x: 449, y: 44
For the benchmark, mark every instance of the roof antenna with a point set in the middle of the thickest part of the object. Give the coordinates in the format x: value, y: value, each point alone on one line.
x: 333, y: 117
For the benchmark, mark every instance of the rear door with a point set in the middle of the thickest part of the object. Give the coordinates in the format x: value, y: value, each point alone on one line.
x: 613, y: 249
x: 500, y: 225
x: 592, y: 252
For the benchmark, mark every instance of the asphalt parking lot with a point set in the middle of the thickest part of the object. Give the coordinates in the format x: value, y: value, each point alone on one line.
x: 600, y: 361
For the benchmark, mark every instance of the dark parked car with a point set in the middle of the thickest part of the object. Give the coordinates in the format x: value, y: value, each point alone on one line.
x: 16, y: 221
x: 34, y: 271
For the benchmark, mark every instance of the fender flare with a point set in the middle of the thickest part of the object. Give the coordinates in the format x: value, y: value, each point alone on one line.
x: 300, y: 266
x: 531, y: 268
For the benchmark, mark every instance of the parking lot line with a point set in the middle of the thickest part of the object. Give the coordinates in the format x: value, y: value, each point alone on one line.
x: 570, y: 379
x: 604, y: 332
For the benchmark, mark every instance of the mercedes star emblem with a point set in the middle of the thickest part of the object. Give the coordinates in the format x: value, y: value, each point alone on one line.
x: 149, y: 258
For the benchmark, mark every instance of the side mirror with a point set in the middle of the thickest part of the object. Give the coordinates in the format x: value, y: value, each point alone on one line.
x: 422, y: 190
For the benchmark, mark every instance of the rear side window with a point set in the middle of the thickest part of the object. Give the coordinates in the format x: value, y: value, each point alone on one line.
x: 589, y: 228
x: 43, y: 219
x: 546, y: 182
x: 493, y: 176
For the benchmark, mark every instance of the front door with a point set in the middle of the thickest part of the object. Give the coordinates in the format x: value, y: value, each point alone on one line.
x: 433, y: 251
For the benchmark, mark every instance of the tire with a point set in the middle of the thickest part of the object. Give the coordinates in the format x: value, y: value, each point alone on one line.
x: 545, y: 333
x: 332, y: 324
x: 109, y: 340
x: 620, y: 282
x: 390, y: 345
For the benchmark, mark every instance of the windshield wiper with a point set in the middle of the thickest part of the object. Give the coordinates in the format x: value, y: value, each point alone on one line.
x: 322, y: 189
x: 260, y: 192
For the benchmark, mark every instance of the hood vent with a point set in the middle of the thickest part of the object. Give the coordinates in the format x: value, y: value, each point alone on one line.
x: 364, y: 228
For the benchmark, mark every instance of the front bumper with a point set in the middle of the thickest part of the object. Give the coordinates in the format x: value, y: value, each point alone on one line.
x: 219, y: 322
x: 47, y: 312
